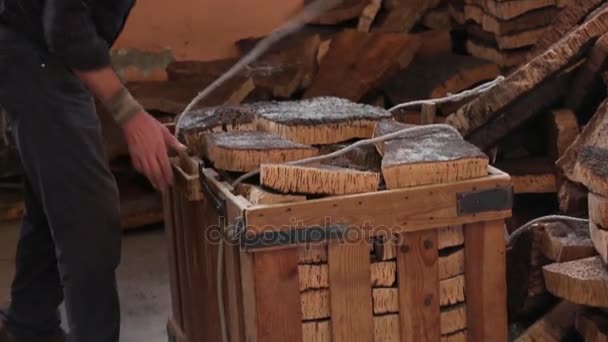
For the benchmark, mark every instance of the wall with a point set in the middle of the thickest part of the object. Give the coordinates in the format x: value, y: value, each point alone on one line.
x: 201, y: 29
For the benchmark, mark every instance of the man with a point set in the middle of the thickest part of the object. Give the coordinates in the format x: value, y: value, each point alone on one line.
x: 53, y: 59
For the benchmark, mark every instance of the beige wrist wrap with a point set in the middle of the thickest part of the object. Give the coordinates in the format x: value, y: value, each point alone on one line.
x: 122, y: 106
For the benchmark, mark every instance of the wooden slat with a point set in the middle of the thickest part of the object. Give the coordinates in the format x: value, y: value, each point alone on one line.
x: 233, y: 285
x: 170, y: 236
x: 418, y: 274
x: 181, y: 262
x: 400, y: 210
x: 350, y: 291
x: 277, y: 296
x: 486, y: 284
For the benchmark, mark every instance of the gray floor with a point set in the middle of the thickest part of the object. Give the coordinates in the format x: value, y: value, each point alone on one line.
x: 143, y: 282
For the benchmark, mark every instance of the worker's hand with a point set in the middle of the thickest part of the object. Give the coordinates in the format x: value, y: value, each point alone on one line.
x: 148, y: 142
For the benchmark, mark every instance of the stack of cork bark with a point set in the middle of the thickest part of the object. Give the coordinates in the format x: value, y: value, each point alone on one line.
x: 505, y: 31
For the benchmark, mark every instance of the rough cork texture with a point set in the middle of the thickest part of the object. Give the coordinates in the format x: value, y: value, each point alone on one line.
x: 599, y: 237
x: 570, y: 16
x: 583, y: 281
x: 504, y: 59
x: 219, y: 119
x: 507, y: 41
x: 598, y: 209
x: 431, y: 156
x: 256, y: 195
x: 595, y: 133
x: 592, y: 325
x: 591, y: 169
x: 245, y: 151
x: 321, y: 179
x: 319, y: 121
x: 555, y: 325
x: 479, y: 111
x: 506, y: 10
x: 385, y: 127
x: 561, y: 242
x: 527, y: 21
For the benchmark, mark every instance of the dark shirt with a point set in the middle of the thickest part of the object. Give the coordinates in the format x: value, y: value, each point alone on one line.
x: 79, y: 32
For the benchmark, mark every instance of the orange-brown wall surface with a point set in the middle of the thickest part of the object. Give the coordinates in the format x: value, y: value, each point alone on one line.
x: 201, y: 29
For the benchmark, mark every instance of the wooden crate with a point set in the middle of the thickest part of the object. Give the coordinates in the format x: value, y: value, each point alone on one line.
x: 325, y: 270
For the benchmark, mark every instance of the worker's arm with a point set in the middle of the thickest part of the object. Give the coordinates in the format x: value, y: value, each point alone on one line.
x: 72, y: 36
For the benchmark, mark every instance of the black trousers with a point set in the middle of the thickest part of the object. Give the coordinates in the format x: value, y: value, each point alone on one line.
x: 70, y: 239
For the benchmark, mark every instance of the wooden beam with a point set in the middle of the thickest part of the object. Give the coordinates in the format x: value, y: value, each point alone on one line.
x: 479, y: 111
x: 486, y: 278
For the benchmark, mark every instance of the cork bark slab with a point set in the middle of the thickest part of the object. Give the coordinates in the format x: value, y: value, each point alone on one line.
x: 595, y: 133
x: 245, y: 151
x: 322, y: 179
x: 431, y: 156
x: 599, y: 237
x: 592, y: 325
x: 508, y: 41
x: 504, y: 59
x: 563, y: 128
x: 403, y: 15
x: 591, y: 169
x: 506, y: 10
x: 529, y: 76
x: 561, y: 242
x: 572, y: 199
x: 583, y: 281
x: 598, y: 209
x: 436, y: 75
x: 553, y: 326
x: 347, y: 10
x: 564, y: 22
x: 219, y: 119
x: 530, y: 20
x: 257, y: 195
x: 360, y: 62
x: 317, y: 121
x: 531, y: 175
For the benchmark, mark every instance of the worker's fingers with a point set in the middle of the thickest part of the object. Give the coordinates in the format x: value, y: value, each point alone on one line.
x: 172, y: 141
x: 148, y: 171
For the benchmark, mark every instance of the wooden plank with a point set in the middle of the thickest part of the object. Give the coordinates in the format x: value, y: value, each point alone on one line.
x: 233, y: 285
x: 480, y: 110
x: 402, y: 210
x: 418, y: 274
x: 172, y: 257
x: 565, y: 21
x: 583, y: 281
x: 532, y: 19
x: 486, y: 283
x: 276, y: 276
x: 553, y: 326
x: 350, y: 292
x: 361, y: 62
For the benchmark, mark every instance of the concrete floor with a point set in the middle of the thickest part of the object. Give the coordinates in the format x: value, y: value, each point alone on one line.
x: 143, y: 282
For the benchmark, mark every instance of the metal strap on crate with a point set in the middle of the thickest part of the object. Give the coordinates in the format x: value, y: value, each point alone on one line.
x: 479, y: 201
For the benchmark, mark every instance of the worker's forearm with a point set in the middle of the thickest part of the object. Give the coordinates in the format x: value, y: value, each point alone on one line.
x: 103, y: 83
x: 107, y: 88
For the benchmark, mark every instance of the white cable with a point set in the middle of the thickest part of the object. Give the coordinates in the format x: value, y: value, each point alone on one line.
x: 452, y: 97
x: 308, y: 13
x: 517, y: 232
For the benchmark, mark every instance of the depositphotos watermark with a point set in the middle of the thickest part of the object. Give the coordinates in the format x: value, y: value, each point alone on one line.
x: 297, y: 233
